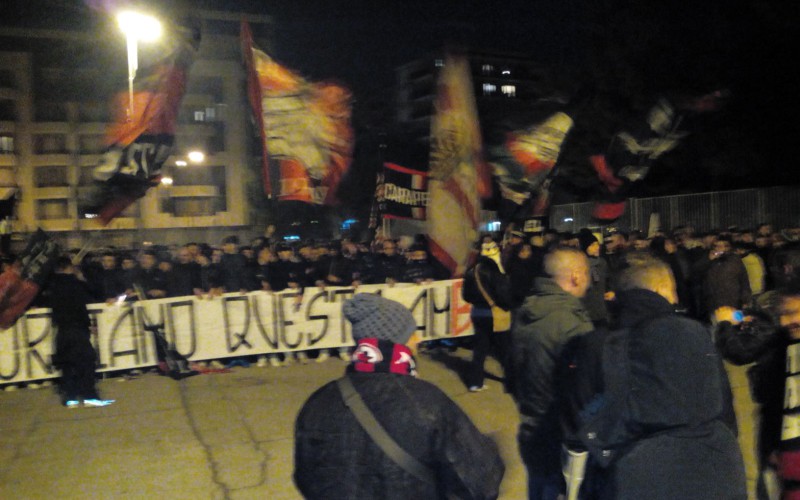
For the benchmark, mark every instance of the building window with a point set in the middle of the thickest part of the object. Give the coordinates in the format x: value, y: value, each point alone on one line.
x: 487, y: 69
x: 50, y: 144
x: 6, y: 144
x: 509, y: 90
x: 50, y: 176
x: 506, y: 72
x: 8, y: 111
x: 92, y: 144
x: 199, y: 116
x: 439, y: 63
x: 489, y: 88
x: 51, y: 209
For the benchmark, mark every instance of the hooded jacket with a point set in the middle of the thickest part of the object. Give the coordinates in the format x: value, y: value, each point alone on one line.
x: 661, y: 426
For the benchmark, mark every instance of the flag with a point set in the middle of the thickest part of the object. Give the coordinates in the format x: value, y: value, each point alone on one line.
x: 21, y: 281
x: 456, y: 168
x: 140, y: 140
x: 402, y: 193
x: 305, y: 128
x: 631, y: 155
x: 525, y: 166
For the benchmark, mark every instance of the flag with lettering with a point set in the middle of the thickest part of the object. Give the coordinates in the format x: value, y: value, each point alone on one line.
x: 142, y: 135
x: 304, y: 127
x: 459, y: 177
x: 402, y: 193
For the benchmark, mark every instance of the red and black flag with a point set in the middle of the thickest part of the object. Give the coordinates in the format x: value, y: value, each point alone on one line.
x: 633, y: 151
x: 402, y: 192
x: 22, y: 280
x: 140, y: 139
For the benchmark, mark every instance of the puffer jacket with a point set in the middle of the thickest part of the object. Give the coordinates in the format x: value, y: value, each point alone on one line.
x: 335, y: 458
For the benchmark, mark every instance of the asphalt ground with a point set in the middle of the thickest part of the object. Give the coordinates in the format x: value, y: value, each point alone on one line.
x: 212, y: 436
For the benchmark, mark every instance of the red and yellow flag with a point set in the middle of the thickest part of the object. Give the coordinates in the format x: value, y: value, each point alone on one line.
x: 305, y: 128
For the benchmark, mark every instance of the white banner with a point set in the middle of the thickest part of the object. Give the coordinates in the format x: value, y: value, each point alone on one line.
x: 233, y: 325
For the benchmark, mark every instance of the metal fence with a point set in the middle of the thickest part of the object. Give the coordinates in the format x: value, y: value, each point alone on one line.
x: 779, y: 206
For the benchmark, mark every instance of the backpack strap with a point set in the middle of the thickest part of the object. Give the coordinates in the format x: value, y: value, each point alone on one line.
x: 352, y: 399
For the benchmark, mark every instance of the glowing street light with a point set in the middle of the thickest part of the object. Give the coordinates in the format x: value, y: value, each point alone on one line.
x: 136, y: 27
x: 180, y: 163
x: 196, y: 156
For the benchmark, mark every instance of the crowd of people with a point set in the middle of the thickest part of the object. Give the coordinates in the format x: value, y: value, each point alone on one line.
x: 621, y: 351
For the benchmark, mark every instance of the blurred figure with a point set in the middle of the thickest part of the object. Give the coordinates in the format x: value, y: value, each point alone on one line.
x: 74, y: 354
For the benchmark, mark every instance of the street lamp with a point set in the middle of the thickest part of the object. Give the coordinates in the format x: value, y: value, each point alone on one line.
x: 136, y: 27
x: 196, y: 156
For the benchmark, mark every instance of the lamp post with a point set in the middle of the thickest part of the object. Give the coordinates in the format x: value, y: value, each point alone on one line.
x: 136, y: 27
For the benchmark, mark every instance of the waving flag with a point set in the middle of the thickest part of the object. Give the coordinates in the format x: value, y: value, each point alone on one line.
x: 525, y: 164
x: 305, y: 128
x: 457, y: 168
x: 21, y: 282
x: 633, y: 151
x: 140, y: 140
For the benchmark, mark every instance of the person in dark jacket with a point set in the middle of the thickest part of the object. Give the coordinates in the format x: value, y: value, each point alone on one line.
x: 336, y: 458
x: 725, y: 281
x: 484, y: 282
x: 595, y: 299
x: 662, y: 426
x: 74, y: 354
x: 184, y: 277
x: 547, y: 321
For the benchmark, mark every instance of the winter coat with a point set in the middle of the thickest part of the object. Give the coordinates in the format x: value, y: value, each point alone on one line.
x: 661, y: 425
x: 543, y: 326
x: 335, y: 458
x: 495, y: 283
x: 725, y: 283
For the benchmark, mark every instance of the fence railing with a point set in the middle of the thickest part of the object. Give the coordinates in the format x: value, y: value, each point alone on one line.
x: 779, y: 206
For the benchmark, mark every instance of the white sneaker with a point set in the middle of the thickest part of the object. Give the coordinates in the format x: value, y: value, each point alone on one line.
x: 275, y: 362
x: 261, y: 362
x: 302, y: 357
x: 323, y: 356
x: 97, y: 403
x: 475, y: 388
x: 72, y: 403
x: 344, y: 356
x: 216, y: 365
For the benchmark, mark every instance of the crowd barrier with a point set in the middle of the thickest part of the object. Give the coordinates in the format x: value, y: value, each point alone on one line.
x: 229, y: 326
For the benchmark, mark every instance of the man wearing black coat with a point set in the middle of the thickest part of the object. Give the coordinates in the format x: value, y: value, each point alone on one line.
x: 74, y: 354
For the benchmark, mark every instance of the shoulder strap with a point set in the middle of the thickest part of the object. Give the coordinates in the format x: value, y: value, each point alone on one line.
x: 352, y: 399
x: 486, y: 296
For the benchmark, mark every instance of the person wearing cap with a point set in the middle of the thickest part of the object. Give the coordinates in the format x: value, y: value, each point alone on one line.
x: 335, y: 457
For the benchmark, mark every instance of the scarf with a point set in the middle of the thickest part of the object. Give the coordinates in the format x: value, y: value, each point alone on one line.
x: 373, y: 355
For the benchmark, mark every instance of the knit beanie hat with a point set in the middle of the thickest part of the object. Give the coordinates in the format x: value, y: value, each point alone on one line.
x: 586, y: 239
x: 373, y: 316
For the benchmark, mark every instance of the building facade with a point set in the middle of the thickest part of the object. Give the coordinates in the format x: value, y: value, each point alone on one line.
x: 55, y: 89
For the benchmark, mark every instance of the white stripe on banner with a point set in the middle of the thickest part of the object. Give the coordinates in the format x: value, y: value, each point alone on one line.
x: 233, y: 325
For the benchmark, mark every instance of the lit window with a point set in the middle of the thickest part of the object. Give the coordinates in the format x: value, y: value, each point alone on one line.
x: 509, y: 90
x: 487, y: 69
x: 439, y: 63
x: 506, y: 72
x: 199, y: 116
x: 211, y: 114
x: 6, y: 144
x: 489, y: 88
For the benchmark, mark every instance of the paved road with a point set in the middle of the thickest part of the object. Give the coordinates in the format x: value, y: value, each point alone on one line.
x: 212, y: 436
